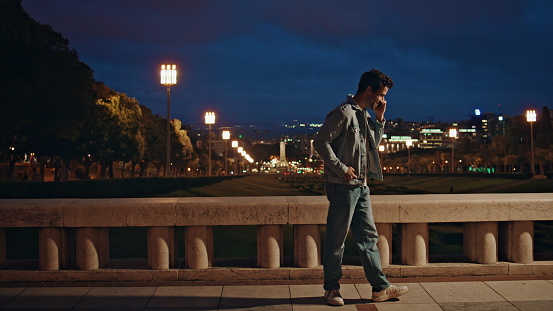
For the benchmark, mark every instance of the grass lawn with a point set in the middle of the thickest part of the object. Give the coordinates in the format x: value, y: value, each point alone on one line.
x: 254, y: 185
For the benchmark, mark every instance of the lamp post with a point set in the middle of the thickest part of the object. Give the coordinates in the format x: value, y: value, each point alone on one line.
x: 226, y: 137
x: 531, y: 118
x: 453, y: 135
x: 168, y: 78
x: 240, y: 151
x: 409, y: 143
x: 244, y: 153
x: 209, y: 120
x: 234, y: 144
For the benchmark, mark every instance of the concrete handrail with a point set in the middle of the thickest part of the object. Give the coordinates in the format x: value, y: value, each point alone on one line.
x: 75, y: 232
x: 212, y: 211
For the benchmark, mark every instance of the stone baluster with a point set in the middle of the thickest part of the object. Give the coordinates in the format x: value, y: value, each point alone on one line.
x: 92, y: 248
x: 270, y: 241
x: 307, y: 246
x: 52, y: 248
x: 480, y: 242
x: 162, y: 252
x: 198, y: 242
x: 414, y: 244
x: 385, y: 243
x: 517, y: 241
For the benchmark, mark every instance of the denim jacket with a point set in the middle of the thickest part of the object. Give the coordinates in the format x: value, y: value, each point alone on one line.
x: 349, y: 137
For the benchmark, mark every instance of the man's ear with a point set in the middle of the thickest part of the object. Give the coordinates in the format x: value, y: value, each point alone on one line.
x: 369, y: 89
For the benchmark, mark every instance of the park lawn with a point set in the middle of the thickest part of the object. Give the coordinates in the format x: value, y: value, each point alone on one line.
x: 301, y: 185
x: 437, y: 184
x: 525, y: 186
x: 254, y: 185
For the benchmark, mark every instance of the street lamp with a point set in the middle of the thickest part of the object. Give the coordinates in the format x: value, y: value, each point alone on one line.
x: 239, y: 150
x: 409, y: 143
x: 209, y: 120
x: 234, y: 144
x: 531, y: 117
x: 453, y: 135
x: 244, y: 153
x: 168, y: 78
x: 226, y: 136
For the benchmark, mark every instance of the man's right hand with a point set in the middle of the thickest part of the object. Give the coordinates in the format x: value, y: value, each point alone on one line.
x: 350, y: 174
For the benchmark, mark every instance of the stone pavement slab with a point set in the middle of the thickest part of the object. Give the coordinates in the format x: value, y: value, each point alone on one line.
x: 267, y: 297
x: 523, y: 290
x: 186, y: 298
x: 7, y: 294
x: 526, y: 295
x: 47, y: 297
x: 444, y: 292
x: 116, y: 297
x: 478, y: 306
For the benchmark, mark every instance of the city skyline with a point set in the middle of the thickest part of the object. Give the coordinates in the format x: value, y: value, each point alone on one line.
x: 268, y: 62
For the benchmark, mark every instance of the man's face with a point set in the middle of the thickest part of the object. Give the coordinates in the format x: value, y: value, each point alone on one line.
x: 376, y: 98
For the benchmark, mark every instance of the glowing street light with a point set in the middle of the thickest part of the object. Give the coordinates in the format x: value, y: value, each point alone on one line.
x: 209, y: 120
x: 409, y: 143
x: 241, y: 152
x: 234, y: 144
x: 453, y: 135
x: 531, y: 117
x: 226, y: 137
x: 168, y: 78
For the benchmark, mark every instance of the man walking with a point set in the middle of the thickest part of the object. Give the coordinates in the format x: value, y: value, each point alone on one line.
x: 348, y: 144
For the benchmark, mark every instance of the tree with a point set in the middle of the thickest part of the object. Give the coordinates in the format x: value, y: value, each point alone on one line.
x: 113, y: 131
x: 544, y: 157
x: 155, y: 138
x: 181, y: 146
x: 45, y: 91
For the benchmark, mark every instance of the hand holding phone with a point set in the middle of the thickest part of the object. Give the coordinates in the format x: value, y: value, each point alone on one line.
x: 379, y: 109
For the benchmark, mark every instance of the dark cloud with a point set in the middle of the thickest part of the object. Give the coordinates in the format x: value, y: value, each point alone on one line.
x: 269, y: 61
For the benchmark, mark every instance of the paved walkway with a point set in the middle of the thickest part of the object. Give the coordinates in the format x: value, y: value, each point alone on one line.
x: 486, y: 295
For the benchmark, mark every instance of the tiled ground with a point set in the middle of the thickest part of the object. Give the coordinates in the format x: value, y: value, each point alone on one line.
x: 490, y: 295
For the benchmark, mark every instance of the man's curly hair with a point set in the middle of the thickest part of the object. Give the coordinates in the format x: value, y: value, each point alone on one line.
x: 375, y: 79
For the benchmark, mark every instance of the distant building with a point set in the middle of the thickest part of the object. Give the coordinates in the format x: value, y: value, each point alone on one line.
x: 431, y: 138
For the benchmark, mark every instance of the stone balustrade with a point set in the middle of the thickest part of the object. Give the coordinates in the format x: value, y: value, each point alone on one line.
x: 494, y: 225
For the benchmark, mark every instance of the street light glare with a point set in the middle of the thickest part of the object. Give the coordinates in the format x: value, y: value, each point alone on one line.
x: 210, y: 117
x: 531, y: 115
x: 226, y: 134
x: 168, y: 74
x: 452, y: 132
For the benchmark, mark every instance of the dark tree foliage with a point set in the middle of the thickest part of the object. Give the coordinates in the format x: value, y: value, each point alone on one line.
x: 45, y: 90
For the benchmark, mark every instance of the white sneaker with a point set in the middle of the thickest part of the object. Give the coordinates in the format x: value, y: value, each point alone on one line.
x: 390, y: 292
x: 334, y: 298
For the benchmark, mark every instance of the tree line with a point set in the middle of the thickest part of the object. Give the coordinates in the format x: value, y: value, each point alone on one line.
x: 52, y: 108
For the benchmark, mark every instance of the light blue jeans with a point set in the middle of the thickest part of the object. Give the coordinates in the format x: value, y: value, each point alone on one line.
x: 350, y: 207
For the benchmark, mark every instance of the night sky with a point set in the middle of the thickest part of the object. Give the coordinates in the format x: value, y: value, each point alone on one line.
x: 267, y: 61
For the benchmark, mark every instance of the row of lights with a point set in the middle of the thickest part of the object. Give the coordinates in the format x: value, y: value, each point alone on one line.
x: 169, y: 78
x: 210, y: 120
